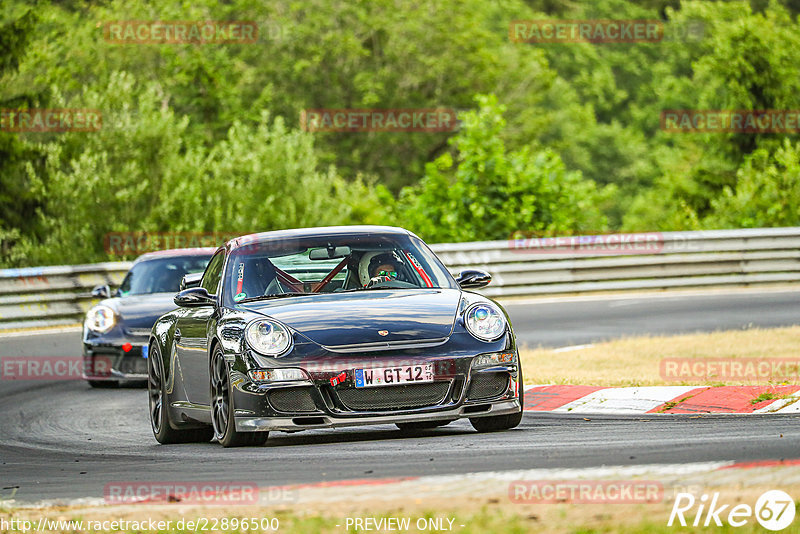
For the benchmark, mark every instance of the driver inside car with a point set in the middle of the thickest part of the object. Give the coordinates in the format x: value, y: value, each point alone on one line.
x: 383, y: 268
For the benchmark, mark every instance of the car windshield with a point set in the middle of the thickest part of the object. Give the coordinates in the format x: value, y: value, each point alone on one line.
x: 330, y: 264
x: 161, y: 275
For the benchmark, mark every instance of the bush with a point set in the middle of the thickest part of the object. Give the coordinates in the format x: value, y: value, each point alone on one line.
x: 142, y: 172
x: 485, y: 192
x: 767, y: 192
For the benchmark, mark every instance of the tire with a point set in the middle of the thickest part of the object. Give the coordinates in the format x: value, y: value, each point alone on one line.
x: 159, y: 415
x: 103, y: 384
x: 222, y: 409
x: 501, y: 422
x: 422, y: 425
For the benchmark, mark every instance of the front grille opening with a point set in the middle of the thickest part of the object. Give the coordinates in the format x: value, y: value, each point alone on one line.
x: 487, y: 385
x: 477, y: 409
x: 308, y: 421
x: 395, y: 397
x: 133, y: 366
x: 292, y: 400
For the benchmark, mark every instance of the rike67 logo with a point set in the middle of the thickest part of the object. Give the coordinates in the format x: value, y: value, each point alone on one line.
x: 774, y: 510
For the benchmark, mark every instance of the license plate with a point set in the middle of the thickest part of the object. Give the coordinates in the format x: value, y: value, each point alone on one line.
x: 144, y: 351
x: 391, y: 376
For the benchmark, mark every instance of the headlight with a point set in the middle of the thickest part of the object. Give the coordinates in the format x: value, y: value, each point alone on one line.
x: 485, y: 322
x: 274, y: 375
x: 268, y: 337
x: 497, y: 358
x: 100, y: 319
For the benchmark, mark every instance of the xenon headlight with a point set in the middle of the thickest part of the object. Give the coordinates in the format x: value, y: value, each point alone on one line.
x: 268, y: 337
x: 100, y: 319
x: 277, y: 375
x: 485, y: 321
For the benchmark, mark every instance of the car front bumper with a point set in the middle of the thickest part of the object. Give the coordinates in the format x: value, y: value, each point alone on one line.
x: 458, y: 391
x: 104, y: 361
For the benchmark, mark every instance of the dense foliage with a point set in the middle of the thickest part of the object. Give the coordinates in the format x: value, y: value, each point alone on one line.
x: 554, y: 138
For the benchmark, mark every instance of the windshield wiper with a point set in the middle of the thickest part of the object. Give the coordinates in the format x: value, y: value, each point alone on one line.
x: 270, y: 297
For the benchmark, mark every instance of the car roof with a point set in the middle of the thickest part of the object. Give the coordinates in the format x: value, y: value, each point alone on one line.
x: 175, y: 252
x: 317, y: 231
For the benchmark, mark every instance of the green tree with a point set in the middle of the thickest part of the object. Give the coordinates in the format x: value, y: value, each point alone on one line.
x: 746, y: 61
x: 18, y: 204
x: 767, y: 192
x: 486, y: 192
x: 139, y: 173
x: 261, y: 177
x: 314, y: 54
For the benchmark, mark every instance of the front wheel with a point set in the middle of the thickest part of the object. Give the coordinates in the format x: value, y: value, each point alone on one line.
x: 501, y: 422
x: 159, y: 414
x: 222, y: 408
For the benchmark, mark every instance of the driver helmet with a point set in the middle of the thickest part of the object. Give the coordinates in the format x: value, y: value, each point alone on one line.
x: 372, y: 260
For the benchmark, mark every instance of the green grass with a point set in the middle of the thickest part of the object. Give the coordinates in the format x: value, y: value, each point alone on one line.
x: 767, y: 396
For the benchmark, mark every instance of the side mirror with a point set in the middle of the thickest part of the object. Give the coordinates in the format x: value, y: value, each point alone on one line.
x: 194, y: 297
x: 191, y: 280
x: 101, y: 292
x: 473, y: 279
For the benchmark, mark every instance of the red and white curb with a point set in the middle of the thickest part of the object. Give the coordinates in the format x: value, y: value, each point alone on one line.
x: 662, y: 399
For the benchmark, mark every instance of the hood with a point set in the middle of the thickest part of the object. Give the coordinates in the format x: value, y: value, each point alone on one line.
x: 141, y: 311
x: 345, y: 321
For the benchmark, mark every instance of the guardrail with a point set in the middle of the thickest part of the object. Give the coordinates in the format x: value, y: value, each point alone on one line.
x: 51, y: 296
x: 43, y: 296
x: 632, y: 261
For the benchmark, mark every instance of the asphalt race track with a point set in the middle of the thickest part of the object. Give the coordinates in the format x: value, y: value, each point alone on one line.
x: 63, y: 440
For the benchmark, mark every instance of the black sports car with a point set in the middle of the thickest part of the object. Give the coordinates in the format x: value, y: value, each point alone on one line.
x: 330, y: 327
x: 116, y: 331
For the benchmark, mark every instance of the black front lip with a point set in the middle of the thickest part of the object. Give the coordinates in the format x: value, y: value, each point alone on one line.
x: 309, y: 422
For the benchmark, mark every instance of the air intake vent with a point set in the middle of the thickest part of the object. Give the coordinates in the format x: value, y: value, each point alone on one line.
x: 395, y: 397
x: 292, y: 400
x: 487, y: 385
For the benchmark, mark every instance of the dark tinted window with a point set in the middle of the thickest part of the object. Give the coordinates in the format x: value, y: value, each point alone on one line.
x: 160, y: 275
x: 212, y: 275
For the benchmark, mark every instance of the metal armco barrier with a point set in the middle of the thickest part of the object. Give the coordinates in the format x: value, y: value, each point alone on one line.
x: 529, y: 267
x: 41, y: 296
x: 51, y: 296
